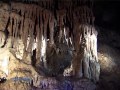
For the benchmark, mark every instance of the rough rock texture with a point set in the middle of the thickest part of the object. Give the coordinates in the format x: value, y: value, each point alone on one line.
x: 109, y: 59
x: 20, y: 20
x: 110, y: 70
x: 39, y: 40
x: 49, y: 84
x: 31, y: 29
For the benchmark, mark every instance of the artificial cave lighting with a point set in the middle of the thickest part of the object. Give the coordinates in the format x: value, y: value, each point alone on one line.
x: 49, y: 41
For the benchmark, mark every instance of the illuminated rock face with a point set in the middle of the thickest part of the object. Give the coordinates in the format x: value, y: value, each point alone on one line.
x: 2, y: 38
x: 49, y: 41
x: 4, y: 67
x: 85, y: 61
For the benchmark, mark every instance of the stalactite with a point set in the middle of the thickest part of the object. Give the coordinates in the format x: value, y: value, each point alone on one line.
x: 86, y: 60
x: 51, y: 27
x: 34, y: 10
x: 76, y: 28
x: 85, y: 45
x: 11, y: 30
x: 11, y: 26
x: 13, y: 18
x: 31, y: 37
x: 46, y: 19
x: 60, y: 17
x: 29, y: 11
x: 88, y: 56
x: 25, y: 33
x: 38, y: 54
x: 21, y: 26
x: 14, y: 36
x: 28, y: 38
x: 14, y: 27
x: 17, y: 29
x: 66, y: 36
x: 39, y: 36
x: 23, y: 23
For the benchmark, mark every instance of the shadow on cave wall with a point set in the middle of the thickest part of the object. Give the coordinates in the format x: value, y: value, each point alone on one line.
x: 109, y: 59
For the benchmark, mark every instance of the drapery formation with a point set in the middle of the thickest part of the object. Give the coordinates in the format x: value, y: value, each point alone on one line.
x: 36, y: 27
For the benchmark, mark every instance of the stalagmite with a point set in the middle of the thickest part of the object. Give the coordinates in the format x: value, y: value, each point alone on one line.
x: 70, y: 25
x: 85, y: 58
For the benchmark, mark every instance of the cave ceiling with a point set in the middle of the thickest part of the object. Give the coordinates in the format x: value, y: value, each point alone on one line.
x: 106, y: 11
x: 52, y: 27
x: 54, y: 43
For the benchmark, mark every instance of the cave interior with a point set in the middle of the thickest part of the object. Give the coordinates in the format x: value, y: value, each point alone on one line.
x: 59, y: 45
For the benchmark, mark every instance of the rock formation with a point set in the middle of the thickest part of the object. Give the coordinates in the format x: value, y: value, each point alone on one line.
x: 44, y: 37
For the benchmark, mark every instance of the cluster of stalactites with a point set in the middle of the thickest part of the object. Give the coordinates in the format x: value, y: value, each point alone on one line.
x: 29, y: 20
x: 85, y: 61
x: 48, y: 4
x: 30, y: 23
x: 84, y: 15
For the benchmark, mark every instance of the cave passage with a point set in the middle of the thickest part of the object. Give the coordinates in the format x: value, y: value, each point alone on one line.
x: 54, y: 37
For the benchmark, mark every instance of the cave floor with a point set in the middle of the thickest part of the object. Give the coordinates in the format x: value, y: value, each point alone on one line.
x: 49, y: 83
